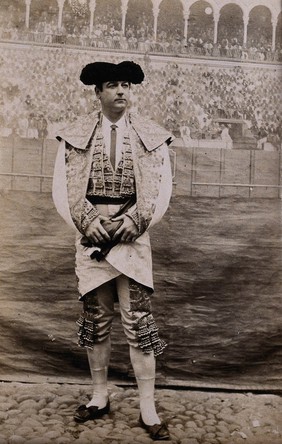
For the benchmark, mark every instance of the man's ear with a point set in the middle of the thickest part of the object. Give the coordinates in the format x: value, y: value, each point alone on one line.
x: 97, y: 92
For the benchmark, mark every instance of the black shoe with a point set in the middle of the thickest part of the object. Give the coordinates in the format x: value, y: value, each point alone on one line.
x: 158, y: 432
x: 83, y: 413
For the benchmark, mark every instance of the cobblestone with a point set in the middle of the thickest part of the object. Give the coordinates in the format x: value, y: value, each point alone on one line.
x: 43, y: 414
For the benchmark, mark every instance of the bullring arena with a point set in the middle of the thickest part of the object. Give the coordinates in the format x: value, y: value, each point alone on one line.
x: 213, y: 78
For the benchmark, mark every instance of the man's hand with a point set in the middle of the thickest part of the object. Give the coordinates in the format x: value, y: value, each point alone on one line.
x: 128, y: 231
x: 96, y: 233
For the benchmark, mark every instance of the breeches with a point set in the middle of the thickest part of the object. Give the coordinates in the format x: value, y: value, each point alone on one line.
x: 95, y: 323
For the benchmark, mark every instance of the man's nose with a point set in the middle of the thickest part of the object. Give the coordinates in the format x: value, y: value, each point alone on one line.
x: 120, y: 89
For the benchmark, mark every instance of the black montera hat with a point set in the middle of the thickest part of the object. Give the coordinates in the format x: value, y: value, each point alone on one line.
x: 99, y: 72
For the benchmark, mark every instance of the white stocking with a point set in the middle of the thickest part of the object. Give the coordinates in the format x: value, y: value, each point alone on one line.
x: 144, y: 366
x: 99, y: 359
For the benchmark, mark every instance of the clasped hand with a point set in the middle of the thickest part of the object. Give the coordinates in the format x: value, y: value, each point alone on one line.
x: 97, y: 234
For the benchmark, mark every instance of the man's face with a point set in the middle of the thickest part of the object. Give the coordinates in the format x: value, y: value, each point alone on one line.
x: 114, y: 96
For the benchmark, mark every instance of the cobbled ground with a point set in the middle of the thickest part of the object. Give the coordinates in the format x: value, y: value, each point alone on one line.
x: 43, y: 414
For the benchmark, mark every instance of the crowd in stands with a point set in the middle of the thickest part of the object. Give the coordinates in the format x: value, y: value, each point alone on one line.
x: 139, y: 37
x: 46, y: 93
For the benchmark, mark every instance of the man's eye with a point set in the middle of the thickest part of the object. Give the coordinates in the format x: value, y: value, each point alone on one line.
x: 125, y: 85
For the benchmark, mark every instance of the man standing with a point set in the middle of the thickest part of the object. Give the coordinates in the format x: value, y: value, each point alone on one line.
x: 112, y: 182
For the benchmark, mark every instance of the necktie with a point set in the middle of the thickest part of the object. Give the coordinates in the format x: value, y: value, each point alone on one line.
x: 113, y: 145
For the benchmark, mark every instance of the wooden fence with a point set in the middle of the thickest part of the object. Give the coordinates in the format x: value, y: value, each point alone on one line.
x: 27, y: 164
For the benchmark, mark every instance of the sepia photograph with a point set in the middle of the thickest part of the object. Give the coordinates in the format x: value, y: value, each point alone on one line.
x: 140, y: 198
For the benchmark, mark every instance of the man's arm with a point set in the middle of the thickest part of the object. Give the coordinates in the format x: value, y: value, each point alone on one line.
x: 129, y: 230
x: 90, y: 219
x: 133, y: 214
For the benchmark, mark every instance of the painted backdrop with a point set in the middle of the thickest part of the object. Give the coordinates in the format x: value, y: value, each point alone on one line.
x: 218, y: 293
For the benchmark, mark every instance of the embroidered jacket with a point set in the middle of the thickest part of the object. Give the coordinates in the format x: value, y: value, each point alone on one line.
x: 148, y: 149
x: 152, y: 171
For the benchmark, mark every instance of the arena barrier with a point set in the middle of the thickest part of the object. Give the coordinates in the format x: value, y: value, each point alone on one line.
x: 27, y: 165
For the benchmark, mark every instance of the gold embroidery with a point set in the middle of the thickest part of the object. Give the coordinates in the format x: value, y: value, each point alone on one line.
x: 103, y: 180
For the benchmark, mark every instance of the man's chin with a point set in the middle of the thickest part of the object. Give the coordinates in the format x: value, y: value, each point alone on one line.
x: 120, y: 105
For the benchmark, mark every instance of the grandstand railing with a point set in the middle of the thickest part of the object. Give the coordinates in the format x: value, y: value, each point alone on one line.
x: 152, y: 48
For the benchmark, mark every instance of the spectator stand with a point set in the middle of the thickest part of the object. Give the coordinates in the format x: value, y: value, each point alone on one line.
x: 200, y: 90
x: 197, y: 29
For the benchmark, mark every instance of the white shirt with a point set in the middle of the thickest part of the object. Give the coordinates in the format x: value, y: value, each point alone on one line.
x: 106, y: 131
